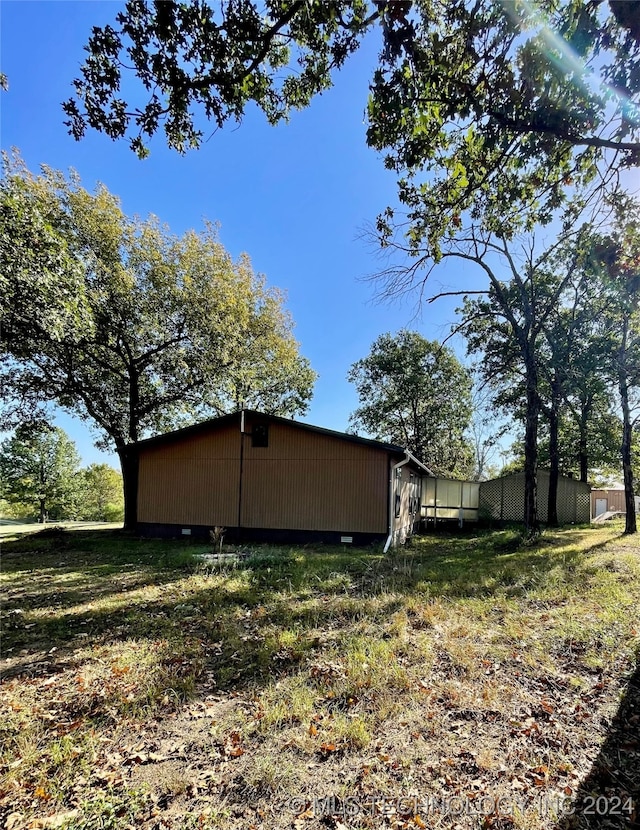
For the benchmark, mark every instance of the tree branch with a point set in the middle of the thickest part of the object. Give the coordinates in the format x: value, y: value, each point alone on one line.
x: 435, y: 297
x: 564, y: 135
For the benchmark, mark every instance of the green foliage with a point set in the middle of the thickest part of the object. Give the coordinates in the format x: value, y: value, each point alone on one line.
x: 17, y: 510
x: 41, y: 282
x: 556, y: 306
x: 617, y: 261
x: 218, y: 59
x: 580, y: 397
x: 485, y: 102
x: 101, y: 497
x: 415, y: 393
x: 500, y: 108
x: 93, y: 493
x: 603, y: 437
x: 164, y: 329
x: 108, y: 809
x: 39, y: 467
x: 171, y: 326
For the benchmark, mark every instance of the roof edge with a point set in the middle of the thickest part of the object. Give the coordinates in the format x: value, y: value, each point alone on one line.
x: 203, y: 426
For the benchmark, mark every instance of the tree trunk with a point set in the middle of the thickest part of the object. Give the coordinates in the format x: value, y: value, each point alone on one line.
x: 531, y: 524
x: 554, y: 458
x: 627, y: 470
x: 586, y: 405
x: 627, y: 429
x: 43, y: 513
x: 129, y: 464
x: 129, y: 454
x: 583, y: 455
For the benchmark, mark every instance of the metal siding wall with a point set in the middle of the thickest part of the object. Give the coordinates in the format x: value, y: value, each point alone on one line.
x: 615, y: 499
x: 543, y: 496
x: 306, y: 480
x: 192, y: 481
x: 566, y: 501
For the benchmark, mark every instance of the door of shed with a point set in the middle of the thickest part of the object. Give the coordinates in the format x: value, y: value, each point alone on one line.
x: 601, y: 506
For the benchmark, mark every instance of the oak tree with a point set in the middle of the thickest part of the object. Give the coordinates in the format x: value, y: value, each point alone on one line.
x: 414, y: 392
x: 168, y: 329
x: 39, y: 466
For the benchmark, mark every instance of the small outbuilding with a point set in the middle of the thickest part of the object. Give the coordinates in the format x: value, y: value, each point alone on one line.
x: 502, y: 499
x: 266, y: 478
x: 608, y: 499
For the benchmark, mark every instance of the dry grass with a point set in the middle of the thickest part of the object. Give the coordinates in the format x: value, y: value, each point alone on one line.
x: 461, y: 682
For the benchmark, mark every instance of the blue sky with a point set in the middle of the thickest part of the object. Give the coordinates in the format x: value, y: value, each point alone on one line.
x: 295, y: 197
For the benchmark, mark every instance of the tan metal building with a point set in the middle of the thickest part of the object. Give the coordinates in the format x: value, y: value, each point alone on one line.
x: 268, y: 478
x: 607, y: 499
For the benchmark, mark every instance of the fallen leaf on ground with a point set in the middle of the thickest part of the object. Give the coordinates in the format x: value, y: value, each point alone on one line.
x: 51, y: 822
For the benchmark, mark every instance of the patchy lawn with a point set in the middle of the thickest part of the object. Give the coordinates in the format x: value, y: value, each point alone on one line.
x: 462, y: 682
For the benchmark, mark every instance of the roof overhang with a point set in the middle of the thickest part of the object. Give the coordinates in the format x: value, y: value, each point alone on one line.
x: 223, y: 420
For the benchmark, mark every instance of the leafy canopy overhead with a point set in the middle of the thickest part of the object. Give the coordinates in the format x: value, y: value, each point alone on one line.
x: 499, y: 101
x: 499, y: 110
x: 214, y: 57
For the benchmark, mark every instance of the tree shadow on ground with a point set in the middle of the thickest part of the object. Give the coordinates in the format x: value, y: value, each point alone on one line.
x: 609, y: 797
x: 77, y: 595
x: 281, y: 612
x: 232, y: 615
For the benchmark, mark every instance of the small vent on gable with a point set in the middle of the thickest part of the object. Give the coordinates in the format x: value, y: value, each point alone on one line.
x: 260, y: 435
